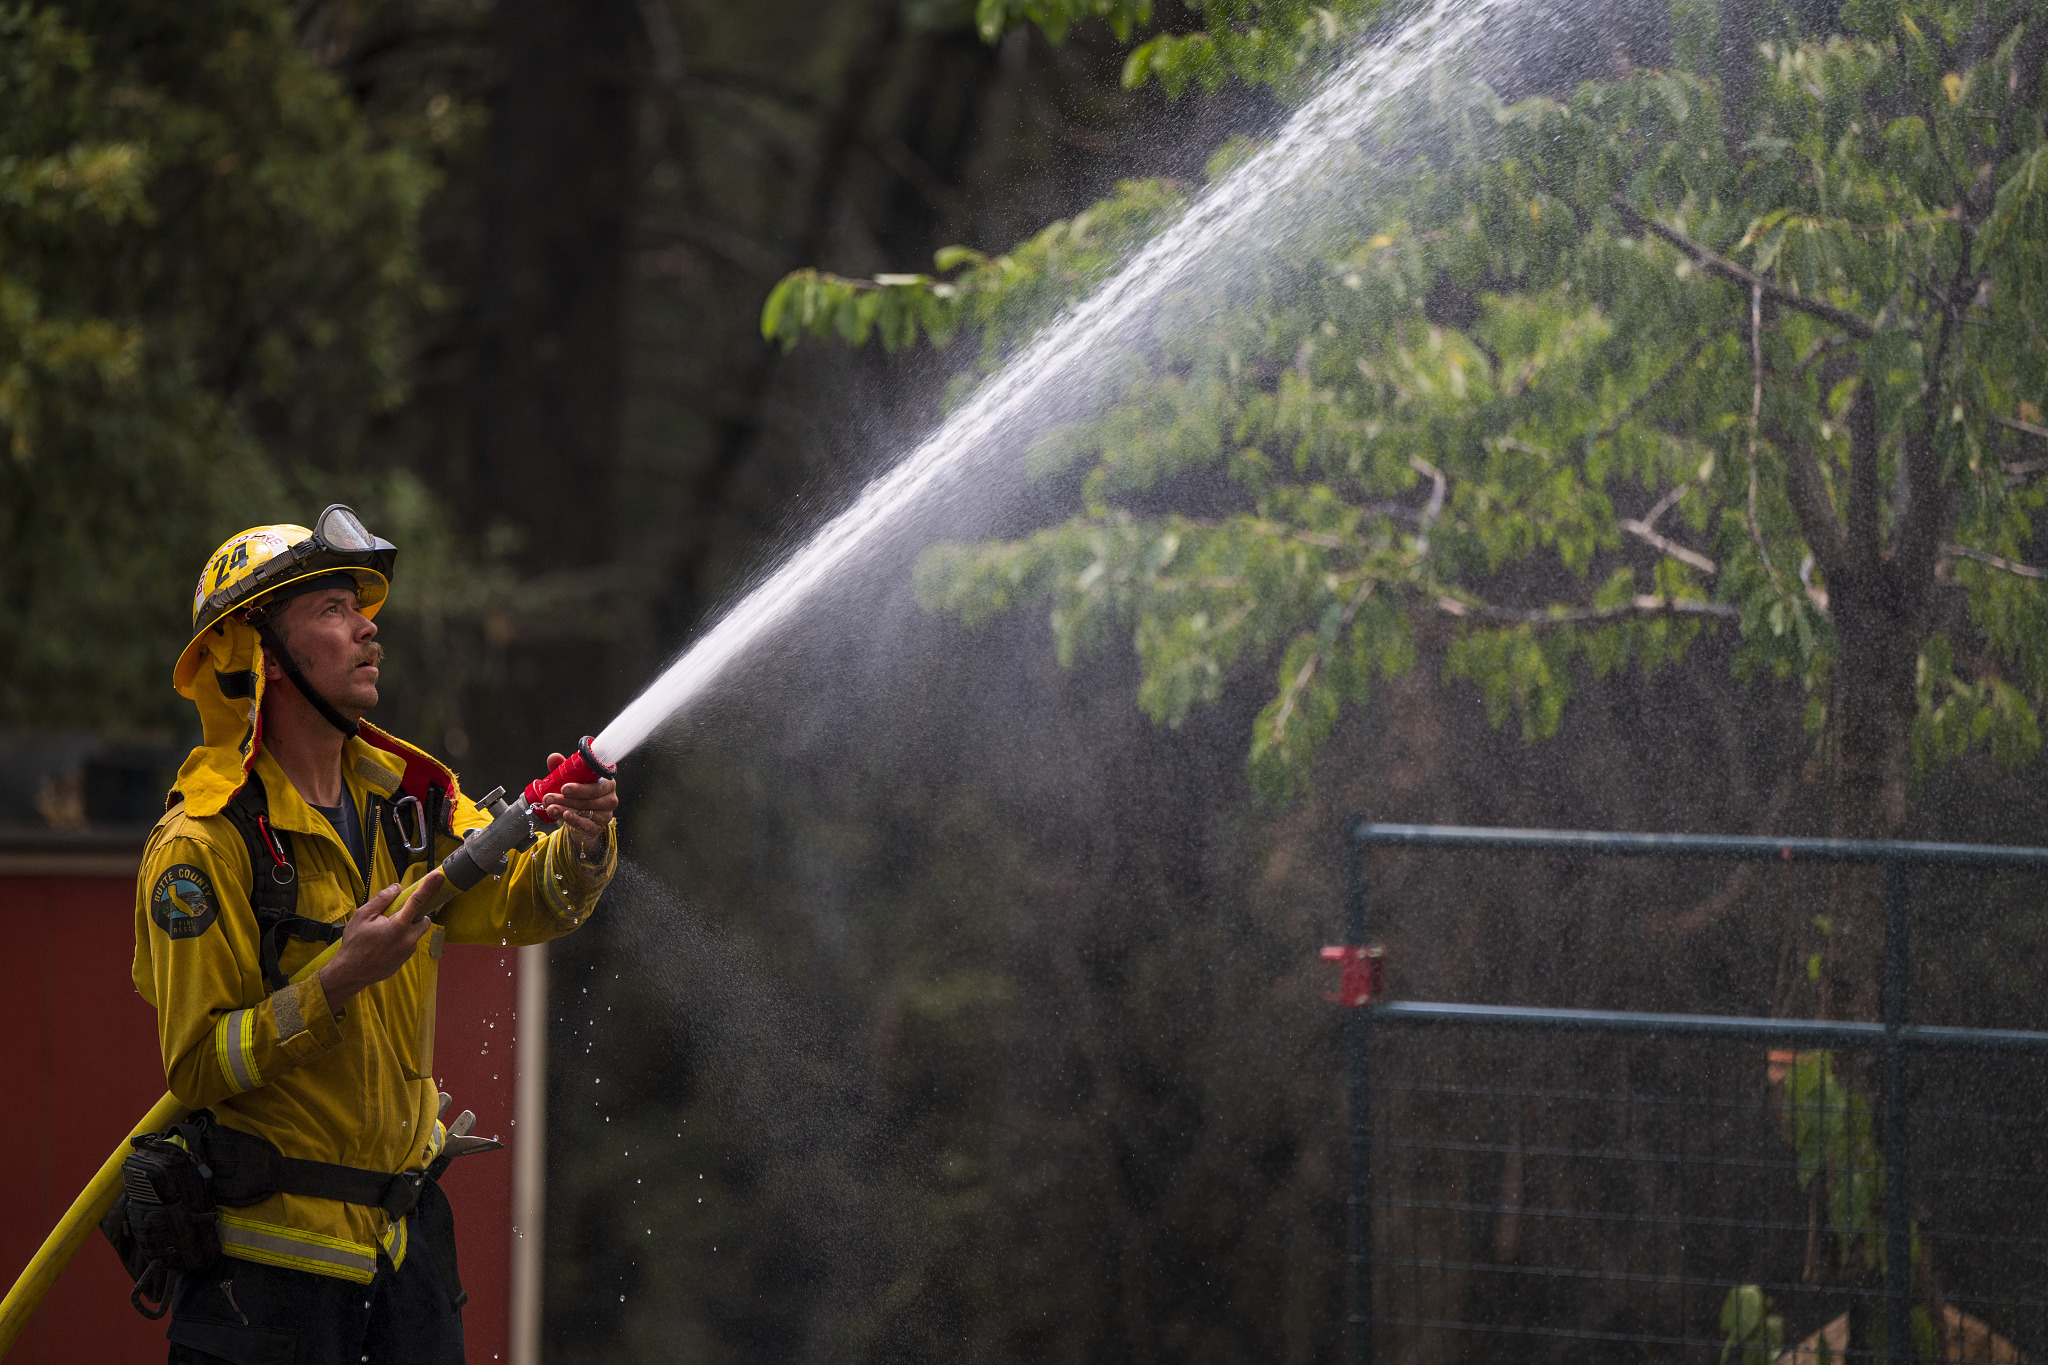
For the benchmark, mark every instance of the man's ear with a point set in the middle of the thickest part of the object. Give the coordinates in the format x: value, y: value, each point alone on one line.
x: 271, y: 671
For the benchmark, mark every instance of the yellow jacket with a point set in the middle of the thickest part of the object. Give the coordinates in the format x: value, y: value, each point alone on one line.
x: 355, y: 1088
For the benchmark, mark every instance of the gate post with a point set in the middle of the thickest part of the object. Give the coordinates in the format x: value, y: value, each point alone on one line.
x: 1898, y: 1242
x: 1357, y: 1102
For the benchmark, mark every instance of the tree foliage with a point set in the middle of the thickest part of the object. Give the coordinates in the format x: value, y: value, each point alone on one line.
x: 208, y: 275
x: 1279, y: 43
x: 999, y: 297
x: 1570, y: 380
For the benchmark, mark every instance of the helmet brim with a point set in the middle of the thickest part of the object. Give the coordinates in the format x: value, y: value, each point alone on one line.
x: 373, y: 586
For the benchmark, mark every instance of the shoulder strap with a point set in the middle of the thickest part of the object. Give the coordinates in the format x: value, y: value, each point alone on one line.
x: 440, y: 812
x: 273, y: 882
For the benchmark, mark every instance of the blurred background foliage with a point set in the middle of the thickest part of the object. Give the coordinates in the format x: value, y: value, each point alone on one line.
x: 211, y: 256
x: 951, y: 1007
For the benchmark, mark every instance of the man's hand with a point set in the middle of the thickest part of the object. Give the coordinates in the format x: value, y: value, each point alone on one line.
x: 586, y: 808
x: 374, y: 944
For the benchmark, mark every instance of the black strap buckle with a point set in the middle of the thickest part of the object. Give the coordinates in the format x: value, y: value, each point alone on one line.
x: 151, y: 1295
x: 401, y: 1192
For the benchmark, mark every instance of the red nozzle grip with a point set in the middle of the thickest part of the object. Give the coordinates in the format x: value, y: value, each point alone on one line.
x: 580, y: 766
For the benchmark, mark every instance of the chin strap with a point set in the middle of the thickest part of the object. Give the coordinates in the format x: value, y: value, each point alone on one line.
x: 274, y: 647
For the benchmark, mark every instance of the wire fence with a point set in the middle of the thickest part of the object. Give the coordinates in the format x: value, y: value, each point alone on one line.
x: 1593, y: 1198
x: 1560, y: 1185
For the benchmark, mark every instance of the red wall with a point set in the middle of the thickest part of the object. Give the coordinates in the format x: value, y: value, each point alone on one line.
x: 473, y: 1054
x: 78, y: 1067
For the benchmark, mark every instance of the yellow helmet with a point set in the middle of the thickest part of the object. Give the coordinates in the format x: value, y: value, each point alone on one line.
x: 259, y: 564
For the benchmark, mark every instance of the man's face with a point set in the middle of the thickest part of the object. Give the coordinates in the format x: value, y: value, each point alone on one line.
x: 335, y: 646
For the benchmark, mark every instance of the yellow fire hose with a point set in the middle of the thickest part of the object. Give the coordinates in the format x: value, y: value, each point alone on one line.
x: 464, y: 868
x: 91, y: 1205
x: 74, y: 1227
x: 100, y: 1192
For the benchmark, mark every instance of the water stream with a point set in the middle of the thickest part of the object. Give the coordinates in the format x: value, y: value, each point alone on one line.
x: 1245, y: 202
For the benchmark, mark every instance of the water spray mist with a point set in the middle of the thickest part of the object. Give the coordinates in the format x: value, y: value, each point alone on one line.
x: 1344, y: 109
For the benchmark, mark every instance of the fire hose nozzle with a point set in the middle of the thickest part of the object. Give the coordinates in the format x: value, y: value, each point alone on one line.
x: 514, y: 824
x: 581, y: 766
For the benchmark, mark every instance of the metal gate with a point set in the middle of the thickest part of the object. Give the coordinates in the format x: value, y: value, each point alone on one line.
x: 1589, y: 1185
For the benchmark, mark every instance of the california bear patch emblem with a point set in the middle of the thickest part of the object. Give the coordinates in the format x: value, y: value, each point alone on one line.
x: 182, y: 902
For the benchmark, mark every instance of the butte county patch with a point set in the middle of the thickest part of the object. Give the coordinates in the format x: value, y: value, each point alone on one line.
x: 182, y: 902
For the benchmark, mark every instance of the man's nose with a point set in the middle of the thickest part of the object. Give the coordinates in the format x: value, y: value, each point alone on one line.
x: 366, y: 629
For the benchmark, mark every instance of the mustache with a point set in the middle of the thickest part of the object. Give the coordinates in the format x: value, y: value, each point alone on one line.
x: 371, y: 653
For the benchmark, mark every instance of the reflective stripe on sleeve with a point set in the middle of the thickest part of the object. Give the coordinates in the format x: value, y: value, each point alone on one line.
x: 396, y: 1239
x: 551, y: 875
x: 297, y: 1250
x: 234, y: 1043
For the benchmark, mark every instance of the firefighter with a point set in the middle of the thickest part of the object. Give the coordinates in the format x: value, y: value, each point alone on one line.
x: 279, y: 936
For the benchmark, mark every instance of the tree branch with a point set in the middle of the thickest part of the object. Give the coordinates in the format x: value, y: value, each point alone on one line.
x: 703, y: 234
x: 1736, y: 890
x: 1307, y: 672
x: 2011, y: 566
x: 1645, y: 607
x: 915, y: 172
x: 1865, y: 535
x: 1916, y: 539
x: 1807, y: 490
x: 1856, y: 326
x: 1649, y: 535
x: 1656, y: 386
x: 1436, y: 500
x: 1666, y: 503
x: 1646, y: 530
x: 1818, y: 596
x: 2028, y: 63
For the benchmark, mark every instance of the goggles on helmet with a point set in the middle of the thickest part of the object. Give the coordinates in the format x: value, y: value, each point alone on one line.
x: 339, y: 542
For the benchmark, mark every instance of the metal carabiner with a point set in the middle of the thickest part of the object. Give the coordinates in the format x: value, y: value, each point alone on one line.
x: 419, y: 822
x: 282, y: 872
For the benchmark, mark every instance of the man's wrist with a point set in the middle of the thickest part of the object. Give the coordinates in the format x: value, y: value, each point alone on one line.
x: 337, y: 987
x: 600, y: 848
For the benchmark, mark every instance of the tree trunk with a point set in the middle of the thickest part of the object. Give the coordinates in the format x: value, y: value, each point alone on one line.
x: 1736, y: 59
x: 1871, y: 715
x: 548, y: 385
x: 1871, y: 719
x: 549, y: 372
x: 1880, y: 597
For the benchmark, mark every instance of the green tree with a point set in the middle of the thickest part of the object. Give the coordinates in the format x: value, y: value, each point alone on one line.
x: 1581, y: 377
x: 208, y: 275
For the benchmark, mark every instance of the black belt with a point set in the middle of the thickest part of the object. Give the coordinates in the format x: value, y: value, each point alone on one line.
x: 395, y: 1194
x: 247, y: 1169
